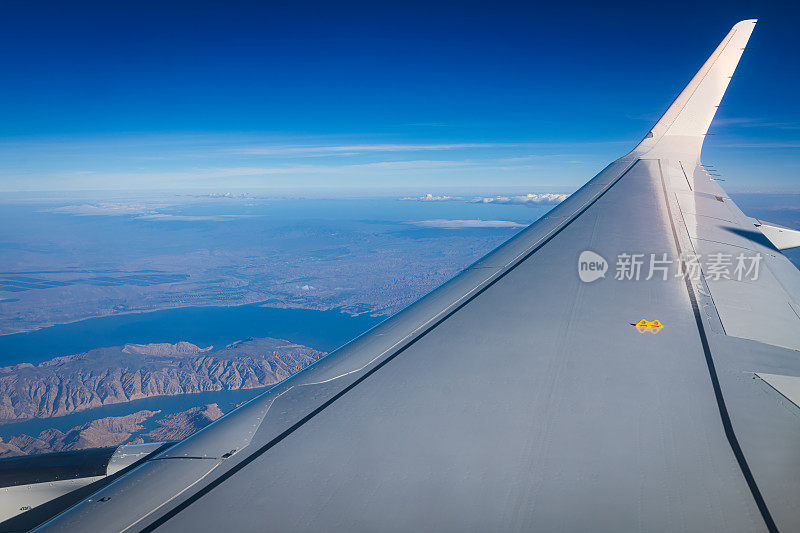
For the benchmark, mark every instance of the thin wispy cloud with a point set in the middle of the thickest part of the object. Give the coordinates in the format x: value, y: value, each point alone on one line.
x: 735, y: 121
x: 103, y: 209
x: 748, y: 122
x: 196, y: 161
x: 227, y: 172
x: 164, y: 217
x: 352, y: 149
x: 765, y: 145
x: 423, y: 163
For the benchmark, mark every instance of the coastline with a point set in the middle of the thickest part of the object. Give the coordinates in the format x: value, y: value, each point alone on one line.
x: 324, y: 330
x: 270, y: 303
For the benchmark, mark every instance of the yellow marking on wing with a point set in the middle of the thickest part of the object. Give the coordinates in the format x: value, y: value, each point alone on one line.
x: 645, y: 326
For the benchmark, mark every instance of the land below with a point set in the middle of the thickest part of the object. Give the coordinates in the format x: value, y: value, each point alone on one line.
x: 113, y: 431
x: 105, y: 376
x: 67, y: 263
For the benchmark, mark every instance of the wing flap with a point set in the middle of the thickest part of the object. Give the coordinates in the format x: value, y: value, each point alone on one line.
x: 781, y: 237
x: 754, y: 288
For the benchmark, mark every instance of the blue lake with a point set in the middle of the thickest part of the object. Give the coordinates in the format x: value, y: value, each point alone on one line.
x: 204, y: 326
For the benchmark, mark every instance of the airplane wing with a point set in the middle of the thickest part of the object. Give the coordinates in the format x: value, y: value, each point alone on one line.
x: 601, y: 370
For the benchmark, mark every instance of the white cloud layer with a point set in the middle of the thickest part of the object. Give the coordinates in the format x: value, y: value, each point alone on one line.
x: 460, y: 224
x: 431, y: 198
x: 527, y: 199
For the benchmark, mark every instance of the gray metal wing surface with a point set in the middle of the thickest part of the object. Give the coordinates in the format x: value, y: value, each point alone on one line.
x: 535, y: 390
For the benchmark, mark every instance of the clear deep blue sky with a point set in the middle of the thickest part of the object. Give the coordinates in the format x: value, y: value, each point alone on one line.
x: 429, y: 96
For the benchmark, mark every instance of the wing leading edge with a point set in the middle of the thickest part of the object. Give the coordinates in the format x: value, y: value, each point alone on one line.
x: 517, y: 396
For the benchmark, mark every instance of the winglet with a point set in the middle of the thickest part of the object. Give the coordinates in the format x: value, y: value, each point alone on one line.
x: 680, y: 132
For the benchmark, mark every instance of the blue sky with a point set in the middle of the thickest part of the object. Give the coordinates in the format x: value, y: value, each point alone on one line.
x: 347, y: 98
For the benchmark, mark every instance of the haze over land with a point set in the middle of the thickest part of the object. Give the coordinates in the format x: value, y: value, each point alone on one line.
x: 67, y: 260
x: 64, y: 260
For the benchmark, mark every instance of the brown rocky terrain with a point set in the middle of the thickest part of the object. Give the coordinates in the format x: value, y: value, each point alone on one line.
x: 106, y: 376
x: 95, y: 434
x: 178, y: 426
x: 113, y: 431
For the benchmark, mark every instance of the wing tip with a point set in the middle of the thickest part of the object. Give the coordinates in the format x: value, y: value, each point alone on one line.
x: 744, y: 23
x: 687, y: 120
